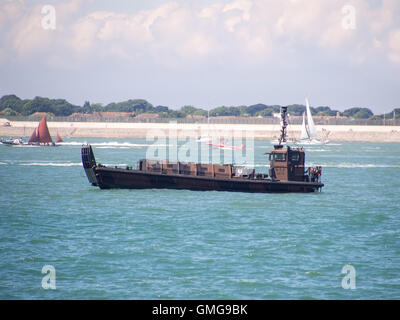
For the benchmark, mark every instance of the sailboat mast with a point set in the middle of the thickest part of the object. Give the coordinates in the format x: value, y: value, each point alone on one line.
x: 312, y: 131
x: 304, y: 130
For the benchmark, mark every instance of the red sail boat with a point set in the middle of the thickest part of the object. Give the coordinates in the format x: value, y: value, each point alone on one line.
x: 41, y: 134
x: 59, y: 138
x: 34, y: 137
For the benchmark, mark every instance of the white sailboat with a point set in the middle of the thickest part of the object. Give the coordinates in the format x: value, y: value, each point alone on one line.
x: 309, y: 133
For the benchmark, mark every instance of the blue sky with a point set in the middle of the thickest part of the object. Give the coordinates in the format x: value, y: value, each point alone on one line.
x: 204, y: 53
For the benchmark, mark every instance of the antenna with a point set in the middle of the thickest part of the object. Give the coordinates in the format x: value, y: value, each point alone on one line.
x: 284, y: 124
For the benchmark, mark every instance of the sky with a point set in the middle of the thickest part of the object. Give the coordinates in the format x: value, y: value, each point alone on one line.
x: 338, y: 53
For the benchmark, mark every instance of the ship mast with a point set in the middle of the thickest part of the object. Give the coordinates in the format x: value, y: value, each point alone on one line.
x: 284, y: 124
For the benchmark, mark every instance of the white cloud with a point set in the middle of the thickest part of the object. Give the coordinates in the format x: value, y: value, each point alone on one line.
x: 28, y: 35
x: 242, y: 29
x: 211, y: 12
x: 239, y: 11
x: 394, y: 46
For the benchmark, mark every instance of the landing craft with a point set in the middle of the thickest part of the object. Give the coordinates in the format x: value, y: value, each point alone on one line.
x: 287, y: 173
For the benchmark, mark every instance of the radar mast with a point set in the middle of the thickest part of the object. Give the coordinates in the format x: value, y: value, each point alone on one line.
x: 284, y: 124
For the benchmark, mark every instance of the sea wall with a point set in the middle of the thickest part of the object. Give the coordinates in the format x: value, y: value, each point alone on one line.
x: 142, y: 130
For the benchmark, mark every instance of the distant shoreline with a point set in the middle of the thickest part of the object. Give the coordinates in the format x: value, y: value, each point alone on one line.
x: 337, y: 133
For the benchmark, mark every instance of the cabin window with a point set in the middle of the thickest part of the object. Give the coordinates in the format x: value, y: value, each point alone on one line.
x: 170, y: 166
x: 221, y: 170
x: 295, y: 157
x: 277, y: 156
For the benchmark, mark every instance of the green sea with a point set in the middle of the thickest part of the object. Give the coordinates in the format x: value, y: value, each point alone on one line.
x: 169, y: 244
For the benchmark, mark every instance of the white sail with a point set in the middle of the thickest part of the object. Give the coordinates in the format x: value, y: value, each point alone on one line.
x: 312, y: 131
x: 304, y: 133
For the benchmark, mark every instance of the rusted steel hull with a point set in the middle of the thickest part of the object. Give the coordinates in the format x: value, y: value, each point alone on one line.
x: 107, y: 178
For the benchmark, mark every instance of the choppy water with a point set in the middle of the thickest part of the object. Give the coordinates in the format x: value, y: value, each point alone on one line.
x: 150, y: 244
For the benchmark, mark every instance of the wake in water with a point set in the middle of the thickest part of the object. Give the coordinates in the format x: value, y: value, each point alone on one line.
x: 51, y: 164
x: 317, y: 150
x: 40, y: 163
x: 56, y: 164
x: 113, y: 147
x: 353, y: 165
x: 325, y: 165
x: 113, y: 144
x: 25, y: 146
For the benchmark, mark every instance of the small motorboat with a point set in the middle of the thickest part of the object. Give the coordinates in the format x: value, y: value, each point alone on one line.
x: 13, y: 142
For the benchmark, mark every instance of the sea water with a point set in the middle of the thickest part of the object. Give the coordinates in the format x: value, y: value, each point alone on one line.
x: 341, y: 243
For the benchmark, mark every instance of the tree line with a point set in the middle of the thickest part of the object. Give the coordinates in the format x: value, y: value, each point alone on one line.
x: 11, y: 105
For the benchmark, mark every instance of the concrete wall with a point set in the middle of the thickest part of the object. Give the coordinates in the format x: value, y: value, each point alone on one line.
x: 142, y: 130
